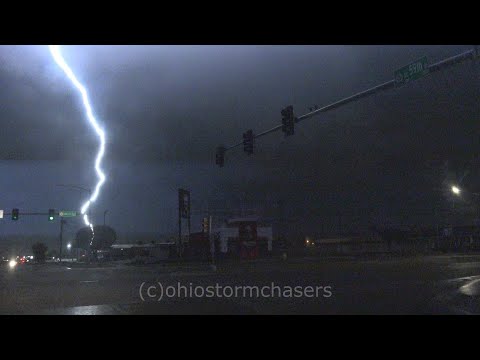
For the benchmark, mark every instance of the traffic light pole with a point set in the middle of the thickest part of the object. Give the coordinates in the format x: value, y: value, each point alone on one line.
x: 61, y: 238
x: 472, y: 54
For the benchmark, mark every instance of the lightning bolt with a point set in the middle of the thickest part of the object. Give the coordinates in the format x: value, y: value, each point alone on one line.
x: 57, y: 56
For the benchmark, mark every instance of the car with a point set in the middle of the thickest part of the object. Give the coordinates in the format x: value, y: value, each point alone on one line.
x: 10, y: 263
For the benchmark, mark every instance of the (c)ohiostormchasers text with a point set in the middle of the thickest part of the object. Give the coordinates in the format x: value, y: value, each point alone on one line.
x: 272, y: 290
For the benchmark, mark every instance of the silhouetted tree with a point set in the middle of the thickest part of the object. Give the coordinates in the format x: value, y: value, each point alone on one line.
x: 103, y: 237
x: 39, y: 250
x: 52, y: 253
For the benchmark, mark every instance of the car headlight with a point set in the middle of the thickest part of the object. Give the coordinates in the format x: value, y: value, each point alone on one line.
x: 12, y: 264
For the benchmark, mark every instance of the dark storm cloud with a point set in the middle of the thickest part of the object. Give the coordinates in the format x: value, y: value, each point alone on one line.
x: 171, y: 102
x: 174, y: 104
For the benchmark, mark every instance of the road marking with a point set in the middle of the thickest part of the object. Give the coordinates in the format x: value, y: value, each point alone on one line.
x: 190, y: 273
x: 471, y: 289
x: 89, y: 281
x: 462, y: 279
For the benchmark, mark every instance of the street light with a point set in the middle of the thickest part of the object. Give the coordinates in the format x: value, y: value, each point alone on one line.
x: 69, y: 247
x: 456, y: 190
x: 77, y: 187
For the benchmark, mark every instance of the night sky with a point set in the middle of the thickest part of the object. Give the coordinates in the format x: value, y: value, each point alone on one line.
x: 386, y: 159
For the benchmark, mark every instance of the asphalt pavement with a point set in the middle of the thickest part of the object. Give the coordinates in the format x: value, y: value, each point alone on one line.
x: 444, y: 284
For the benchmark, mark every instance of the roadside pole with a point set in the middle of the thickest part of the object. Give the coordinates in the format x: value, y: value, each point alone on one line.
x: 179, y: 241
x: 212, y: 243
x: 61, y: 238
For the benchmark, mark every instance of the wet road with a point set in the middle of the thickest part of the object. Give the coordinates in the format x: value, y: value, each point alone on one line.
x: 418, y: 285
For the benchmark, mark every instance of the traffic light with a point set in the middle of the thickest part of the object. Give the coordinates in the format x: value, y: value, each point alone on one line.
x: 205, y: 225
x: 15, y: 214
x: 51, y: 214
x: 248, y: 139
x: 288, y: 121
x: 220, y: 156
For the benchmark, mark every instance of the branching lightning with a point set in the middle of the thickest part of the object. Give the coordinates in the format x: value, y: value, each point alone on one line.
x: 57, y: 56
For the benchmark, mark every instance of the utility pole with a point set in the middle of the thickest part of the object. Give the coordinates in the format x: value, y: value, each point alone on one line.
x: 179, y: 243
x: 183, y: 212
x: 189, y: 227
x: 212, y: 243
x: 61, y: 237
x: 104, y: 214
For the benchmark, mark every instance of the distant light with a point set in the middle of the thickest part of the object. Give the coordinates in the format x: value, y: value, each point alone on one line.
x: 12, y: 264
x: 69, y: 246
x: 455, y: 190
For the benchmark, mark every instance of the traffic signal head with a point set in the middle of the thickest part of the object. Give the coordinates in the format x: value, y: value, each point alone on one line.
x: 220, y: 156
x: 288, y: 121
x: 51, y: 214
x: 248, y: 139
x: 15, y: 214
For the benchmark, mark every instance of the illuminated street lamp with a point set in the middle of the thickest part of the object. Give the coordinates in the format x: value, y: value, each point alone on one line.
x: 69, y: 247
x: 455, y: 190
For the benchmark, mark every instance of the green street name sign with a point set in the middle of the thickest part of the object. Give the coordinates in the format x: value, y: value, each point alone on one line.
x: 67, y: 213
x: 411, y: 72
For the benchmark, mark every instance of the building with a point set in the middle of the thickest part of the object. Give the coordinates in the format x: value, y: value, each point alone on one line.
x: 245, y: 237
x: 146, y: 253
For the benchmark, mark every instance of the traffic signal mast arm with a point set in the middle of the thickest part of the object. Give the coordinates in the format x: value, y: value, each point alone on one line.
x: 30, y: 213
x: 56, y: 213
x: 467, y: 55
